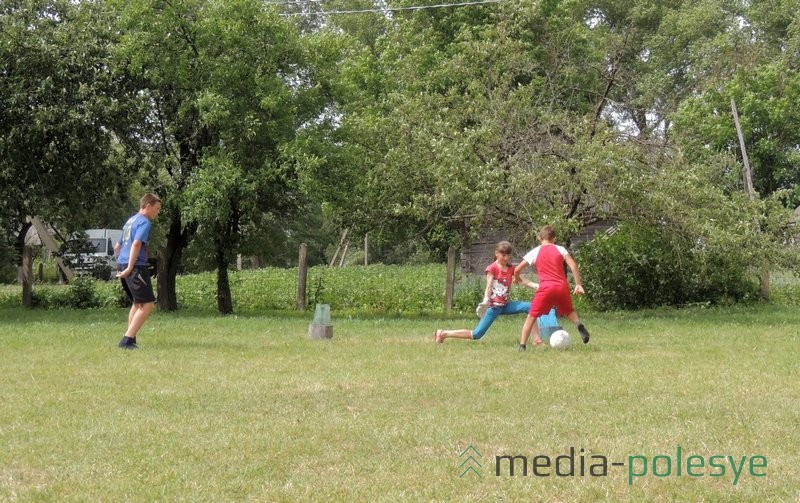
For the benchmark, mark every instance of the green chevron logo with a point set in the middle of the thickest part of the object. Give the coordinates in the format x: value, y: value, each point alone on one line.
x: 469, y: 462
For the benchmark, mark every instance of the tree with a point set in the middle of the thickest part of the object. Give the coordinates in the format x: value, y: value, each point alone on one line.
x: 57, y: 104
x: 518, y: 115
x: 229, y: 85
x: 763, y: 80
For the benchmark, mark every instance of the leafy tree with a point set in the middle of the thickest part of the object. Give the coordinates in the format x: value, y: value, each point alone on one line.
x: 763, y: 81
x: 513, y: 116
x: 229, y: 84
x: 58, y: 156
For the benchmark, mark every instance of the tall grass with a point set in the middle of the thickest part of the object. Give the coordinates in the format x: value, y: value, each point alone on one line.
x: 375, y: 289
x: 372, y: 289
x: 247, y: 408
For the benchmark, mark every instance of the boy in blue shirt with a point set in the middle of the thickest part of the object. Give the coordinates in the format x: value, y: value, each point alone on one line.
x: 132, y: 267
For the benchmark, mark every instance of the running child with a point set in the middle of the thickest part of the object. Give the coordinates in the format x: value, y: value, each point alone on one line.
x: 132, y: 264
x: 549, y: 259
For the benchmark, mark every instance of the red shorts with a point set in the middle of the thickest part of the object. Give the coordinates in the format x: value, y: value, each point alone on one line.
x: 549, y: 296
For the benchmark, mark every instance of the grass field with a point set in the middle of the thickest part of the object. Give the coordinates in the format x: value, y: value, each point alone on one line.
x: 248, y: 408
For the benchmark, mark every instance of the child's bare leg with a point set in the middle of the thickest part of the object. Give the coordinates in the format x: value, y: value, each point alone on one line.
x: 537, y: 340
x: 526, y: 329
x: 441, y: 335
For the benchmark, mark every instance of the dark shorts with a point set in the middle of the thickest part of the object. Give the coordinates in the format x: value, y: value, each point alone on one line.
x: 137, y: 285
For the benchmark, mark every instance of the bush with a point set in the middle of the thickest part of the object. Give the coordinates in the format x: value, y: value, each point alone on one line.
x: 371, y: 289
x: 641, y: 267
x: 80, y: 294
x: 616, y: 277
x: 83, y: 292
x: 381, y: 288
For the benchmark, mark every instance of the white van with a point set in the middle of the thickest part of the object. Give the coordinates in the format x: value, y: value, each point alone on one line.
x: 92, y: 252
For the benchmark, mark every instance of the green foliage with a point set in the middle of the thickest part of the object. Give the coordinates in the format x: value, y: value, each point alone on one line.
x: 58, y: 108
x: 8, y: 269
x: 84, y: 292
x: 232, y: 83
x: 373, y: 289
x: 640, y: 267
x: 382, y: 289
x: 50, y: 298
x: 81, y: 293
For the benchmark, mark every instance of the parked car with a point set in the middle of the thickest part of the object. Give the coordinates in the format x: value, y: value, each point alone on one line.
x: 91, y: 252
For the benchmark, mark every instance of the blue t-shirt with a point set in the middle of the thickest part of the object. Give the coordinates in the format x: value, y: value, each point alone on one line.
x: 137, y: 227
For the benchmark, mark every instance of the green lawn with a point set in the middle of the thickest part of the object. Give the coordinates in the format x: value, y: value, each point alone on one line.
x: 249, y: 409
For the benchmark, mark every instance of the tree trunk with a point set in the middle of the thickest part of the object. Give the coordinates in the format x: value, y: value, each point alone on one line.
x: 224, y: 299
x: 169, y: 259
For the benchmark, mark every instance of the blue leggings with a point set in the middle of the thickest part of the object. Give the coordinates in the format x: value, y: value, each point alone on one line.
x: 513, y: 307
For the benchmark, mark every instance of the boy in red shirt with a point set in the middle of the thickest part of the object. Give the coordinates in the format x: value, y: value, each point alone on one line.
x: 549, y: 259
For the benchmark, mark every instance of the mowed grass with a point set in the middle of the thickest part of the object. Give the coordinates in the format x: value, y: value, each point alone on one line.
x: 248, y: 408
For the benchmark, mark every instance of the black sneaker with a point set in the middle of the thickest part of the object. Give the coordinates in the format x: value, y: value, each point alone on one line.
x: 584, y: 333
x: 127, y: 343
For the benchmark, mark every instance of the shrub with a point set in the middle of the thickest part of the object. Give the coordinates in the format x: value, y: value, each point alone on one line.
x: 641, y: 267
x: 372, y: 289
x: 81, y: 293
x: 380, y: 288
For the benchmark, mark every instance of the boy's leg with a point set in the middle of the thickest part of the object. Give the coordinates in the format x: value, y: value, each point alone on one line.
x: 140, y: 289
x: 530, y: 321
x: 131, y: 313
x: 529, y: 326
x: 574, y: 318
x: 127, y: 342
x: 141, y: 315
x: 537, y: 340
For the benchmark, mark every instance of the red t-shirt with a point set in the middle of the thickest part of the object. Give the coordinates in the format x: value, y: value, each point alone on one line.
x: 501, y: 284
x: 553, y: 286
x: 549, y: 263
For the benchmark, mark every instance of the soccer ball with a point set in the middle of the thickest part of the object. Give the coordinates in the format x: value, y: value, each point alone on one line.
x: 560, y: 339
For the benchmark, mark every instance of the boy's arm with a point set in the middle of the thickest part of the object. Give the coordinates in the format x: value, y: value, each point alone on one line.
x: 576, y: 275
x: 135, y: 247
x: 524, y: 281
x: 518, y: 270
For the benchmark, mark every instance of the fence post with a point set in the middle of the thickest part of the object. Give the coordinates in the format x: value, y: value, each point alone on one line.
x: 451, y: 278
x: 302, y: 277
x: 27, y: 276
